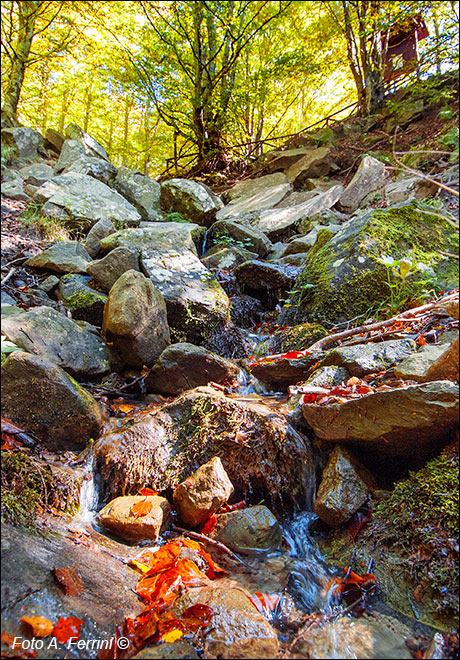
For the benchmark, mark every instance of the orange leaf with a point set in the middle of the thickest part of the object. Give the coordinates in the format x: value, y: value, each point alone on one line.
x: 69, y: 580
x: 208, y: 527
x: 141, y: 508
x: 161, y: 559
x: 67, y: 628
x: 147, y: 491
x: 196, y: 617
x: 41, y: 627
x: 126, y: 407
x: 265, y: 603
x: 8, y: 639
x: 213, y: 569
x: 421, y: 341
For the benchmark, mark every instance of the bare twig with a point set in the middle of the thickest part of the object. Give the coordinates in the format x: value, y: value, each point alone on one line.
x: 451, y: 221
x: 216, y: 544
x: 9, y: 276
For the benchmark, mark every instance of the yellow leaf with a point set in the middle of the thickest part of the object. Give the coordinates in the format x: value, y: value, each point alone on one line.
x: 172, y: 636
x: 137, y: 564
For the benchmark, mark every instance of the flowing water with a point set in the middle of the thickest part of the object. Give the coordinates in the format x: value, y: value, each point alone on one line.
x: 90, y: 492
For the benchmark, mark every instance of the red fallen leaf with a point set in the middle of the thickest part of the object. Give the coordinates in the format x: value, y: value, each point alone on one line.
x: 162, y: 559
x: 67, y: 628
x: 213, y: 569
x: 161, y: 590
x: 8, y: 639
x: 148, y: 491
x: 41, y: 627
x: 208, y: 527
x: 141, y: 508
x: 265, y: 603
x: 196, y: 617
x: 421, y: 341
x: 309, y: 398
x: 9, y: 442
x: 69, y: 580
x: 357, y: 522
x: 226, y: 508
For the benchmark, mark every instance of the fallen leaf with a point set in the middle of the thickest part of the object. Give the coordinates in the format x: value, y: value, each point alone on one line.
x: 196, y: 616
x: 357, y: 522
x: 8, y: 639
x: 419, y: 592
x: 421, y: 341
x: 141, y: 508
x: 69, y: 580
x: 67, y: 628
x: 265, y: 603
x: 147, y: 491
x: 172, y: 636
x: 41, y: 627
x: 208, y: 527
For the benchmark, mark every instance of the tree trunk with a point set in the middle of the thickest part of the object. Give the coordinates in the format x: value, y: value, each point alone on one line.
x: 128, y: 106
x: 27, y: 13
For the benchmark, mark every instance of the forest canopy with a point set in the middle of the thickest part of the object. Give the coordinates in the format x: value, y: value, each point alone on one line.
x: 207, y: 81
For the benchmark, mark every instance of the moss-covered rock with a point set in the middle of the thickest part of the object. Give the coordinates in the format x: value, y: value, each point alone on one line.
x: 298, y: 338
x: 85, y: 303
x: 345, y: 277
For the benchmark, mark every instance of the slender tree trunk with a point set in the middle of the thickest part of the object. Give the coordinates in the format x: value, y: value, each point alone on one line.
x: 64, y: 109
x: 27, y: 14
x: 88, y: 107
x: 110, y: 140
x: 128, y: 106
x: 438, y: 44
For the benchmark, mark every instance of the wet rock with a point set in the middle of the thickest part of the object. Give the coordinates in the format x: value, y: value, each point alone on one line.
x: 262, y: 275
x: 432, y: 362
x: 163, y: 236
x: 249, y: 237
x: 184, y: 366
x: 344, y: 487
x: 100, y: 230
x: 267, y: 198
x: 93, y: 166
x: 203, y: 493
x: 194, y: 201
x: 28, y: 558
x: 315, y: 163
x: 107, y: 270
x: 135, y: 320
x: 162, y: 448
x: 278, y: 224
x: 80, y: 201
x: 91, y: 146
x: 298, y: 338
x: 117, y: 517
x: 81, y: 300
x: 180, y: 649
x: 36, y: 174
x: 62, y: 257
x: 362, y: 359
x: 281, y: 372
x: 370, y: 176
x: 328, y: 377
x: 227, y: 258
x: 53, y: 336
x: 304, y: 243
x: 237, y: 629
x: 251, y: 531
x: 195, y: 301
x: 227, y: 340
x: 255, y: 186
x: 245, y: 311
x: 54, y: 140
x: 142, y: 191
x: 60, y: 412
x: 26, y: 144
x: 412, y: 420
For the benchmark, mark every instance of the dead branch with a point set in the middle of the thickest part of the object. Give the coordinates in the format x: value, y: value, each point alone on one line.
x: 216, y: 544
x: 9, y: 276
x: 451, y: 221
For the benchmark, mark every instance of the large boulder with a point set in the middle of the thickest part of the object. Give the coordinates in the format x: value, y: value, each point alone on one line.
x: 279, y: 372
x: 229, y: 232
x: 62, y: 257
x: 280, y: 223
x: 165, y: 236
x: 362, y: 359
x: 95, y: 167
x: 91, y: 146
x: 141, y: 191
x: 432, y: 362
x: 43, y: 399
x: 314, y: 163
x: 195, y: 301
x: 162, y: 448
x: 344, y: 487
x: 25, y: 143
x: 202, y: 493
x: 370, y: 176
x: 237, y: 629
x: 84, y: 303
x: 71, y: 151
x: 100, y: 230
x: 53, y: 336
x: 80, y: 201
x: 346, y: 276
x: 250, y: 187
x: 135, y: 320
x: 194, y: 201
x: 251, y: 531
x: 107, y: 270
x: 13, y: 186
x: 118, y: 518
x: 184, y: 366
x: 266, y: 198
x: 36, y: 174
x: 414, y: 420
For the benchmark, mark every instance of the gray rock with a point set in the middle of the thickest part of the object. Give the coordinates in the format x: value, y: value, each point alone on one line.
x: 81, y: 201
x: 296, y: 198
x: 81, y: 300
x: 164, y: 236
x: 191, y: 199
x: 304, y: 243
x: 141, y: 191
x: 370, y: 176
x: 412, y: 420
x: 344, y: 487
x: 432, y: 362
x: 54, y: 140
x: 92, y: 147
x: 62, y: 257
x: 226, y: 258
x: 251, y: 238
x: 267, y: 198
x: 107, y: 270
x: 53, y: 336
x: 14, y: 189
x: 255, y: 186
x: 116, y: 516
x: 7, y: 299
x: 203, y: 493
x: 36, y: 174
x: 183, y: 366
x: 195, y: 301
x: 26, y: 143
x: 49, y: 284
x: 279, y: 223
x: 71, y: 152
x: 95, y: 167
x: 362, y: 359
x: 408, y: 188
x: 262, y: 275
x: 315, y: 163
x: 283, y: 160
x: 62, y: 414
x: 100, y: 230
x: 251, y: 531
x: 135, y: 320
x: 328, y: 377
x: 324, y: 217
x: 281, y: 372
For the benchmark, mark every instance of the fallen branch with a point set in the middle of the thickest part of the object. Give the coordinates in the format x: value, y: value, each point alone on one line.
x: 9, y: 276
x: 216, y: 544
x: 451, y: 221
x: 448, y: 254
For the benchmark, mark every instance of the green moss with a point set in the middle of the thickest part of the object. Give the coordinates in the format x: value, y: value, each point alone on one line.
x: 82, y: 299
x: 299, y: 337
x: 420, y: 518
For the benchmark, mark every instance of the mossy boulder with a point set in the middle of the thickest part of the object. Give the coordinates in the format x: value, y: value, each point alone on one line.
x: 195, y: 201
x: 107, y: 270
x: 345, y: 278
x: 81, y: 300
x: 298, y: 337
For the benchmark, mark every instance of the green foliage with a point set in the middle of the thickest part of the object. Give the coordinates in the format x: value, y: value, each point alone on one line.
x: 223, y: 238
x: 50, y: 228
x: 421, y: 518
x: 24, y: 486
x: 450, y: 141
x: 175, y: 217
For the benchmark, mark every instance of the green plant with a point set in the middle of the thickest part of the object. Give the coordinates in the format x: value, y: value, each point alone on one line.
x: 224, y: 239
x: 175, y: 217
x: 7, y: 154
x: 403, y: 290
x: 51, y: 228
x: 450, y: 140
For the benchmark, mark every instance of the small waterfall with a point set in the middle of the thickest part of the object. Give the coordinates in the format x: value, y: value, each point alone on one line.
x: 90, y: 491
x: 205, y: 240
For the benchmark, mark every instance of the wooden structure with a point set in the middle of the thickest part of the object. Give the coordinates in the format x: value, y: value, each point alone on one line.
x: 402, y: 52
